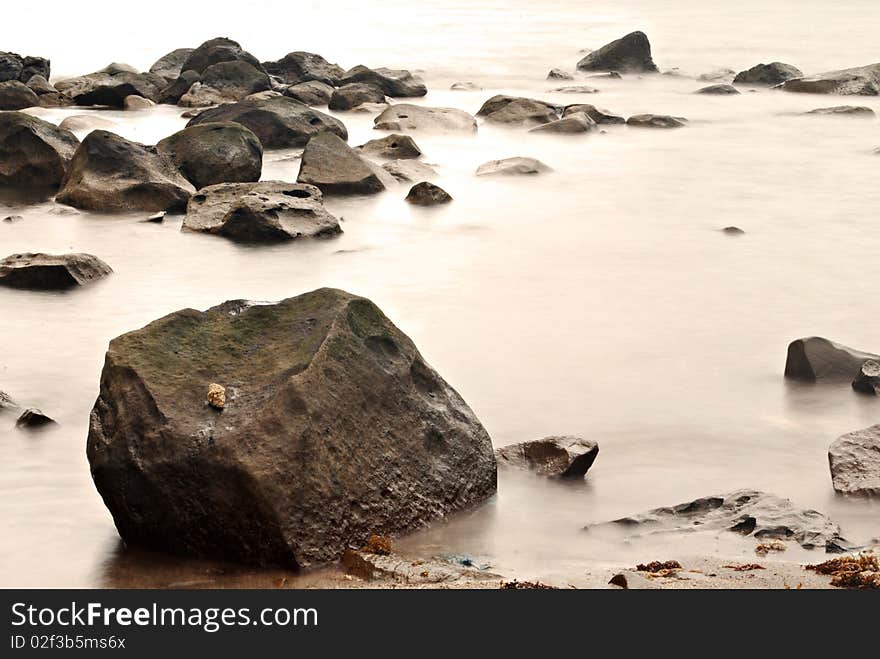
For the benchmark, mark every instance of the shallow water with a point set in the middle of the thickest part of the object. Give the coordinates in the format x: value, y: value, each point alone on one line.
x: 600, y: 299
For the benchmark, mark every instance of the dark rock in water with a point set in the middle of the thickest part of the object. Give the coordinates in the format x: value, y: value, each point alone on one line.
x: 577, y: 122
x: 214, y: 51
x: 22, y: 68
x: 170, y: 66
x: 656, y: 121
x: 556, y: 457
x: 733, y: 231
x: 868, y: 379
x: 718, y: 90
x: 111, y: 85
x: 517, y: 110
x: 815, y: 358
x: 226, y: 82
x: 268, y: 211
x: 394, y: 146
x: 559, y: 74
x: 392, y: 82
x: 110, y: 173
x: 594, y: 113
x: 15, y: 95
x: 33, y: 152
x: 279, y: 122
x: 854, y: 460
x: 844, y: 110
x: 176, y: 89
x: 421, y: 118
x: 767, y: 74
x: 747, y: 512
x: 409, y: 170
x: 210, y: 153
x: 629, y: 54
x: 331, y: 165
x: 300, y: 66
x: 576, y: 89
x: 619, y: 580
x: 6, y: 402
x: 39, y: 85
x: 33, y: 418
x: 718, y: 75
x: 334, y: 428
x: 50, y: 271
x: 312, y: 92
x: 427, y: 194
x: 13, y: 218
x: 353, y: 94
x: 858, y: 81
x: 512, y: 166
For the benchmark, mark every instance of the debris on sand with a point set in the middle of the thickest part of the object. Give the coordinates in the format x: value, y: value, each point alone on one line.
x: 862, y: 571
x: 766, y: 547
x: 656, y: 567
x: 744, y: 567
x: 525, y: 585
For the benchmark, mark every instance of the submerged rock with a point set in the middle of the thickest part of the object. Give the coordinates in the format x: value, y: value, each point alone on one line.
x: 557, y: 456
x: 656, y: 121
x: 629, y: 54
x: 718, y: 90
x: 392, y: 82
x: 268, y: 211
x: 33, y: 418
x: 278, y: 122
x: 409, y: 171
x: 767, y: 74
x: 353, y: 94
x: 814, y: 358
x: 140, y: 178
x: 214, y: 51
x: 575, y: 89
x: 373, y: 566
x: 393, y: 146
x: 577, y: 122
x: 50, y: 271
x: 858, y: 81
x: 7, y: 403
x: 33, y: 152
x: 408, y: 117
x: 594, y: 113
x: 845, y: 110
x: 512, y: 166
x: 219, y: 152
x: 300, y: 66
x: 504, y: 109
x: 559, y: 74
x: 337, y: 429
x: 331, y: 165
x: 465, y: 86
x: 312, y: 92
x: 868, y: 379
x: 427, y: 194
x: 854, y: 460
x: 170, y: 65
x: 16, y: 95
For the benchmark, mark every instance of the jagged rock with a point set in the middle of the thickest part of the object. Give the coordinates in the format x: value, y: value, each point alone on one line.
x: 409, y: 170
x: 392, y: 82
x: 170, y: 65
x: 594, y: 113
x: 656, y: 121
x: 557, y: 457
x: 22, y: 68
x: 225, y: 82
x: 733, y: 231
x: 747, y: 512
x: 577, y: 122
x: 137, y: 103
x: 300, y: 66
x: 111, y: 85
x: 354, y: 94
x: 33, y: 418
x: 33, y: 152
x: 815, y: 358
x: 509, y: 166
x: 214, y: 51
x: 335, y: 428
x: 86, y: 122
x: 110, y: 173
x: 559, y: 74
x: 407, y: 117
x: 720, y: 89
x: 260, y: 212
x: 516, y: 110
x: 279, y: 122
x: 210, y: 153
x: 767, y: 74
x: 576, y: 89
x: 312, y: 92
x: 718, y: 75
x: 851, y: 110
x: 331, y: 165
x: 393, y: 146
x: 39, y: 85
x: 427, y: 194
x: 629, y: 54
x: 176, y: 89
x: 50, y: 271
x: 15, y: 95
x: 858, y: 81
x: 868, y: 379
x: 854, y: 460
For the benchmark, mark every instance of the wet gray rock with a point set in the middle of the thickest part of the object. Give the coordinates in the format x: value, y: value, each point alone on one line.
x: 210, y: 153
x: 301, y: 66
x: 577, y: 122
x: 331, y: 165
x: 421, y: 118
x: 392, y: 82
x: 718, y: 90
x: 854, y: 460
x: 814, y: 358
x: 629, y: 54
x: 140, y: 178
x: 170, y: 65
x: 771, y: 74
x: 34, y: 418
x: 22, y: 68
x: 518, y: 111
x: 427, y: 194
x: 393, y: 146
x: 334, y: 428
x: 268, y: 211
x: 225, y: 82
x: 559, y: 74
x: 15, y: 95
x: 845, y: 110
x: 868, y: 379
x: 33, y: 152
x: 51, y: 271
x: 111, y: 85
x: 858, y: 81
x: 656, y: 121
x: 176, y: 89
x: 594, y: 113
x: 214, y: 51
x: 555, y: 457
x: 354, y: 94
x: 312, y: 92
x: 409, y: 171
x: 512, y: 166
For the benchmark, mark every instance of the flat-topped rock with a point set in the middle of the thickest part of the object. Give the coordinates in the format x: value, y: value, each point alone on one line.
x: 512, y: 166
x: 33, y: 152
x: 656, y: 121
x: 556, y: 456
x: 421, y: 118
x: 845, y: 111
x: 854, y: 460
x: 397, y: 83
x: 51, y: 271
x: 393, y: 146
x: 577, y: 122
x: 858, y: 81
x: 517, y: 110
x: 629, y: 54
x: 331, y: 165
x: 815, y: 358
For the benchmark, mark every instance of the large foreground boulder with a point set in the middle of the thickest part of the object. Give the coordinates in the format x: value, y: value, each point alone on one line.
x: 334, y: 428
x: 279, y: 122
x: 393, y: 82
x: 858, y: 81
x: 421, y: 118
x: 629, y: 54
x: 268, y: 211
x: 556, y: 457
x: 331, y: 165
x: 15, y: 95
x: 212, y: 153
x: 814, y: 358
x: 767, y: 74
x: 300, y: 66
x: 33, y: 152
x: 50, y: 271
x: 854, y: 460
x: 516, y: 110
x: 111, y: 173
x: 214, y: 51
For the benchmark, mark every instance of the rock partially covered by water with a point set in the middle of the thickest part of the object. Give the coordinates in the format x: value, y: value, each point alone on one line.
x: 212, y: 153
x: 393, y: 147
x: 409, y: 170
x: 594, y: 113
x: 576, y: 122
x: 34, y: 418
x: 225, y: 82
x: 559, y: 74
x: 312, y: 92
x: 51, y: 271
x: 868, y: 379
x: 408, y: 117
x: 331, y: 165
x: 814, y: 358
x: 334, y: 428
x: 427, y: 194
x: 845, y: 110
x: 7, y: 403
x: 854, y: 460
x: 718, y: 90
x: 268, y: 211
x: 517, y: 110
x: 353, y: 94
x: 393, y: 82
x: 767, y: 74
x: 15, y: 95
x: 656, y: 121
x: 111, y: 173
x: 747, y: 512
x: 556, y: 457
x: 33, y: 152
x: 279, y: 122
x: 629, y: 54
x: 170, y: 65
x: 300, y: 66
x: 512, y: 166
x: 111, y: 85
x: 858, y: 81
x: 21, y: 68
x: 214, y: 51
